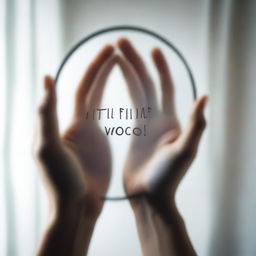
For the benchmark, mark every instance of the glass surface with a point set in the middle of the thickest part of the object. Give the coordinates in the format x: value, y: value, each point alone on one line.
x: 116, y: 94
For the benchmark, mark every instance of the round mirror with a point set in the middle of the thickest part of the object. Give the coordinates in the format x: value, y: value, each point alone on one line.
x: 126, y: 126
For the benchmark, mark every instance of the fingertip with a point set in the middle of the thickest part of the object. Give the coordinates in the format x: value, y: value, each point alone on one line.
x: 202, y: 101
x: 159, y: 59
x: 122, y: 41
x: 156, y: 52
x: 109, y: 48
x: 50, y: 90
x: 155, y: 56
x: 106, y: 52
x: 198, y: 107
x: 48, y: 78
x: 124, y: 44
x: 48, y: 82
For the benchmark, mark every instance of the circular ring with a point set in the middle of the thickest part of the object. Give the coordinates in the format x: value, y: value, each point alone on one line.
x: 136, y: 29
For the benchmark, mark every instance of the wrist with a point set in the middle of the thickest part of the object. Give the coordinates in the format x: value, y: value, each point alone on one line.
x: 161, y: 208
x: 84, y: 207
x: 158, y: 217
x: 158, y: 202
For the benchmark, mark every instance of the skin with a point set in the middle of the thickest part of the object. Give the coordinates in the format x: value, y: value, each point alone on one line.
x: 74, y: 178
x: 156, y: 165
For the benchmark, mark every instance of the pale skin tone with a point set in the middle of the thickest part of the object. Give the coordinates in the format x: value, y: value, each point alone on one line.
x: 156, y: 165
x: 76, y: 180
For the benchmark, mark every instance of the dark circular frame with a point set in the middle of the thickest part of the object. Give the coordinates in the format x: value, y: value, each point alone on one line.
x: 135, y: 29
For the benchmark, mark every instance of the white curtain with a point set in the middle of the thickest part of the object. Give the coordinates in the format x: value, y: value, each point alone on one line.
x: 30, y: 46
x: 218, y: 38
x: 232, y: 123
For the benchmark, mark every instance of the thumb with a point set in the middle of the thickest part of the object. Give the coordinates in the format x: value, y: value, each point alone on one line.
x: 196, y: 125
x: 48, y: 124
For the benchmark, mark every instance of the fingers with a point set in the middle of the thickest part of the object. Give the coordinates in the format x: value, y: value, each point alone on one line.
x: 134, y: 84
x: 96, y: 92
x: 165, y: 81
x: 88, y: 78
x: 48, y: 124
x: 138, y: 65
x: 193, y: 133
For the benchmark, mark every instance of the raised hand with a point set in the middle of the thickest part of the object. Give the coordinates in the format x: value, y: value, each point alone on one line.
x: 84, y: 137
x: 76, y: 165
x: 157, y: 162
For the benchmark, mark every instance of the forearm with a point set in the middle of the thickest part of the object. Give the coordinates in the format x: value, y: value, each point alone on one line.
x: 69, y: 233
x: 161, y: 229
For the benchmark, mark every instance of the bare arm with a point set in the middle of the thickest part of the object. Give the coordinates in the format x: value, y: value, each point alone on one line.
x: 156, y: 164
x: 161, y: 228
x: 74, y: 179
x: 69, y: 232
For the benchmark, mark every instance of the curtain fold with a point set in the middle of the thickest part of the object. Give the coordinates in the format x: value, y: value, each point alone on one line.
x: 31, y: 39
x: 232, y: 84
x: 9, y: 64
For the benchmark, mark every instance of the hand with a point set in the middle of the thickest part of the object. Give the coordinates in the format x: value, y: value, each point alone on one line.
x: 157, y: 162
x: 76, y: 166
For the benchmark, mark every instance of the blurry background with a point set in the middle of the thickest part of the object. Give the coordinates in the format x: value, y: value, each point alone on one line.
x: 218, y: 38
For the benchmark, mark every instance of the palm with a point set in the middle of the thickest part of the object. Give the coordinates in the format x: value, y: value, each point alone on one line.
x: 148, y: 153
x: 71, y: 162
x: 156, y: 161
x: 143, y: 147
x: 84, y: 137
x: 89, y: 144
